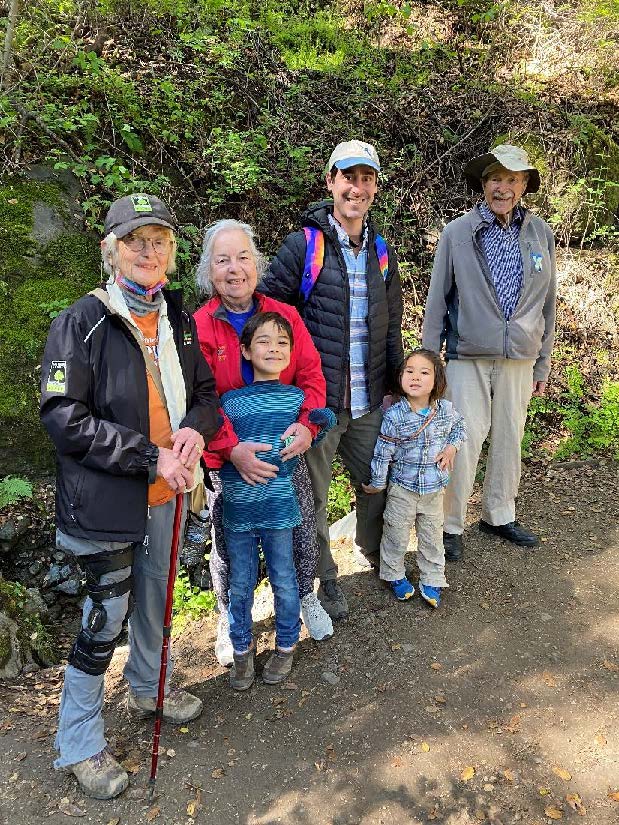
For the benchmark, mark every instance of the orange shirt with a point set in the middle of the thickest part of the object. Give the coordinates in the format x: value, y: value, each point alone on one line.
x: 160, y: 429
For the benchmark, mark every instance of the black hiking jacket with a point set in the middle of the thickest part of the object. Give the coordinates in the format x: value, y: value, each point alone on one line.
x: 327, y: 315
x: 94, y: 405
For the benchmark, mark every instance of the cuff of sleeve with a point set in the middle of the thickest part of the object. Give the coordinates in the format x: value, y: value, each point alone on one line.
x: 153, y: 458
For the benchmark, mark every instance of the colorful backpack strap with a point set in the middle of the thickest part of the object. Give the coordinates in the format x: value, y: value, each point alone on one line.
x: 383, y: 256
x: 314, y: 259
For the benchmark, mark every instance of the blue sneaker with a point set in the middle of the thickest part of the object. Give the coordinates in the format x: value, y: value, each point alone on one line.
x: 403, y: 589
x: 432, y: 595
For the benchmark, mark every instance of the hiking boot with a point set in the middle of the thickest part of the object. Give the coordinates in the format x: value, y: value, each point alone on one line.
x: 100, y: 776
x: 242, y: 674
x: 278, y: 667
x: 454, y: 546
x: 179, y: 706
x: 223, y: 644
x: 332, y: 598
x: 432, y: 595
x: 315, y: 618
x: 402, y: 589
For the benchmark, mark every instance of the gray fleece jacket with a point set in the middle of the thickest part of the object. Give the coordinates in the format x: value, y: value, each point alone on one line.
x: 463, y: 310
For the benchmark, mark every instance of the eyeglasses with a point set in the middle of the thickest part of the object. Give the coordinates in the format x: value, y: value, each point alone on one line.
x: 136, y: 243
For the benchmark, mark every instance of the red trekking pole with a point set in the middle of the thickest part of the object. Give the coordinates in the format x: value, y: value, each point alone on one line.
x: 167, y: 632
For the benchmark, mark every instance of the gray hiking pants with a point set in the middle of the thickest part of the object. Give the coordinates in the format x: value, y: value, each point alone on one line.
x: 80, y: 724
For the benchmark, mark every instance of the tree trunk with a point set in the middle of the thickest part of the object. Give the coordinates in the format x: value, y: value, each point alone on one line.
x: 7, y: 57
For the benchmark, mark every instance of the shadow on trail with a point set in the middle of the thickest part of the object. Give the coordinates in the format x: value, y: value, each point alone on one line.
x: 494, y: 708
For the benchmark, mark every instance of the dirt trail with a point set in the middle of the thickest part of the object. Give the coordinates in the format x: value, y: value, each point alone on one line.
x: 500, y: 707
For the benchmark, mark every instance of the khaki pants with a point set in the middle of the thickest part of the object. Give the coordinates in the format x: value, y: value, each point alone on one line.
x: 493, y: 396
x: 405, y: 510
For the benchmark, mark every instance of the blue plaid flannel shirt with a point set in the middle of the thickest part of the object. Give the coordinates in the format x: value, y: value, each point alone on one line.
x: 408, y: 459
x: 356, y: 270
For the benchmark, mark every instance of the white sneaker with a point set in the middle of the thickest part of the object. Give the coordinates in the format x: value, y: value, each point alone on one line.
x: 223, y: 645
x: 315, y: 618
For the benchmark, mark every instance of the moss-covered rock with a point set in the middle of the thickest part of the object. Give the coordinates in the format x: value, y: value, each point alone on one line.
x: 22, y: 632
x: 47, y: 262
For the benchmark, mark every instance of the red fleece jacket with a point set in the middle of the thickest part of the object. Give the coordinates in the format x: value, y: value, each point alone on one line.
x: 221, y: 348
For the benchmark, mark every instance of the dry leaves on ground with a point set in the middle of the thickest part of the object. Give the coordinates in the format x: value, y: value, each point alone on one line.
x: 575, y: 802
x: 67, y: 808
x: 561, y: 772
x: 552, y: 812
x: 468, y: 773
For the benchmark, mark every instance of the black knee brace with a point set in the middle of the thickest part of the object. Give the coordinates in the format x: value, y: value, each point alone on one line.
x: 87, y: 654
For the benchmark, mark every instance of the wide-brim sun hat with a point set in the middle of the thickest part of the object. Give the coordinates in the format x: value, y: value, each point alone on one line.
x: 133, y: 211
x: 510, y: 157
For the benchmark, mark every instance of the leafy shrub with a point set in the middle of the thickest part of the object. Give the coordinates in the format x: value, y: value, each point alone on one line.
x: 14, y: 488
x: 190, y: 602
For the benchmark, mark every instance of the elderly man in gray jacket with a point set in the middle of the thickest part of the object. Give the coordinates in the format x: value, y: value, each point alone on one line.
x: 492, y: 303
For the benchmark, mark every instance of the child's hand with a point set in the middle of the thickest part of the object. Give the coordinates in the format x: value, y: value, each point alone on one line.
x: 367, y: 488
x: 445, y: 459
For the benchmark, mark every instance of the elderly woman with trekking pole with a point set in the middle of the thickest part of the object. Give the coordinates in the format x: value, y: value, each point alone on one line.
x: 129, y: 403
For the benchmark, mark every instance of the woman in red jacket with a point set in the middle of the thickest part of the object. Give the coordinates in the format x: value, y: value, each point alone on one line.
x: 229, y: 270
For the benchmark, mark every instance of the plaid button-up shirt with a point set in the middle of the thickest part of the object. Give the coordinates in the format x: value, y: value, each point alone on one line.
x: 501, y: 246
x: 356, y: 270
x: 406, y: 450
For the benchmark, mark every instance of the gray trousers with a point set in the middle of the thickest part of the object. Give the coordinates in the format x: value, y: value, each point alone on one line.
x: 80, y: 725
x: 493, y: 396
x: 353, y: 439
x: 405, y: 510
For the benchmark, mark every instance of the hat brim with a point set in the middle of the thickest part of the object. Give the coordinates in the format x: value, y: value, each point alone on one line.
x: 474, y: 168
x: 125, y: 228
x: 348, y: 163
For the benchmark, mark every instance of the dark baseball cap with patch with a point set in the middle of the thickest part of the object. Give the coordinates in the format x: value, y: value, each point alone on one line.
x: 133, y: 211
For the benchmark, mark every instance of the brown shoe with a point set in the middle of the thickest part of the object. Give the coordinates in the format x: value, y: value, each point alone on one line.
x: 243, y: 674
x: 100, y: 776
x: 278, y: 667
x: 179, y: 706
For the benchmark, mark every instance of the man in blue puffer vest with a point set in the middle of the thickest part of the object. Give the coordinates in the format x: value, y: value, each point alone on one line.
x: 353, y: 311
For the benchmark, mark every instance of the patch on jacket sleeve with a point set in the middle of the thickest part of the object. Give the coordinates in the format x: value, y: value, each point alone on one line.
x: 57, y: 379
x: 536, y: 261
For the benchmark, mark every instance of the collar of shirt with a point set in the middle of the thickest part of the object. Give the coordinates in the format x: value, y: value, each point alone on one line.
x: 344, y: 238
x: 490, y: 218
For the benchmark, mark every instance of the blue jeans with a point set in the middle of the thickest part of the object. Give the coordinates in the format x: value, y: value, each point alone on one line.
x: 243, y: 552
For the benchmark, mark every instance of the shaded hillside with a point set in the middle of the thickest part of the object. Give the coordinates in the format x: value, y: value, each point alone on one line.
x: 232, y: 110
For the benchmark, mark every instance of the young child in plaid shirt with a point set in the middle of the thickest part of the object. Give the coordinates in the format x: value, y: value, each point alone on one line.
x: 414, y: 453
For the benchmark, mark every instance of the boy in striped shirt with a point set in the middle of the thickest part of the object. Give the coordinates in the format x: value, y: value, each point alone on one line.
x: 261, y: 412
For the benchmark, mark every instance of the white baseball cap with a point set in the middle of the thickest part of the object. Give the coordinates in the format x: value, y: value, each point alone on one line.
x: 354, y: 153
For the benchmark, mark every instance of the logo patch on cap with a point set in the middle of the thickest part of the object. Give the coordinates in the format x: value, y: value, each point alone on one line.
x: 141, y: 203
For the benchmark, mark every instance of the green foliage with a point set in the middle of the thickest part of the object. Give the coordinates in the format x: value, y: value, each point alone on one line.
x: 190, y: 602
x: 341, y: 493
x: 14, y: 488
x: 591, y: 426
x: 32, y: 633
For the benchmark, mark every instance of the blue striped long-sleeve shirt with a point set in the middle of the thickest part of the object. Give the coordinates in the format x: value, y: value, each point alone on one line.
x: 261, y: 412
x: 406, y: 454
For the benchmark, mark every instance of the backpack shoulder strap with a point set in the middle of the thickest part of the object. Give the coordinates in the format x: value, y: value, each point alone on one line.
x: 314, y: 259
x: 152, y: 368
x: 380, y: 245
